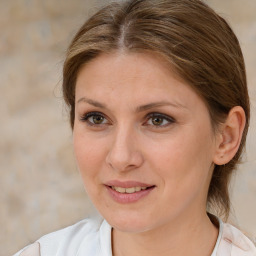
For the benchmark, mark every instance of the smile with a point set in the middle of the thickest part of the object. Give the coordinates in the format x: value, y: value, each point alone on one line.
x: 128, y: 190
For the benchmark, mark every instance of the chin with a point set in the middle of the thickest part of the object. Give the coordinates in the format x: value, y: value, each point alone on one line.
x: 130, y: 224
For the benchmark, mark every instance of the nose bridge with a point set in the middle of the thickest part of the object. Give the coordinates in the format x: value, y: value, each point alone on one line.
x: 124, y: 152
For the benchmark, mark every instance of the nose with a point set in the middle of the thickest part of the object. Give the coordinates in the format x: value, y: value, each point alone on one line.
x: 124, y: 153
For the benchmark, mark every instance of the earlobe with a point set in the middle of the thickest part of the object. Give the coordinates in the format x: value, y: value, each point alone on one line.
x: 230, y: 136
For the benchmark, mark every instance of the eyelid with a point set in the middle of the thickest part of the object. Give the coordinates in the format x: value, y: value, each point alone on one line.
x: 161, y: 115
x: 86, y: 116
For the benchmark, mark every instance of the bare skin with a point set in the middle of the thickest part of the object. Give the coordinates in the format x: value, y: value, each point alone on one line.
x: 138, y: 125
x: 197, y: 238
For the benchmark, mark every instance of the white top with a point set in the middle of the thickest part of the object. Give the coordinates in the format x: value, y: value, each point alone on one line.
x: 92, y: 237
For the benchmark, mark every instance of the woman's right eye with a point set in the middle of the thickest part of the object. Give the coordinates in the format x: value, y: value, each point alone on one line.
x: 94, y: 119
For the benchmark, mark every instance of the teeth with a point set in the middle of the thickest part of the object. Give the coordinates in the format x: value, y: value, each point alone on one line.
x: 119, y: 189
x: 128, y: 190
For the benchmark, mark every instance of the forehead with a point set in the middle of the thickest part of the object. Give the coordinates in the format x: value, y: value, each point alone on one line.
x: 127, y: 68
x: 127, y: 64
x: 133, y: 77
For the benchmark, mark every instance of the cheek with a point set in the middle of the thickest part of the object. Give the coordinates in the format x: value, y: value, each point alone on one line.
x: 87, y: 153
x: 184, y: 169
x: 89, y: 159
x: 184, y: 158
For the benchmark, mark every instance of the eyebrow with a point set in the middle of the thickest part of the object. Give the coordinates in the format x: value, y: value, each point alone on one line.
x: 158, y: 104
x: 92, y: 102
x: 138, y: 109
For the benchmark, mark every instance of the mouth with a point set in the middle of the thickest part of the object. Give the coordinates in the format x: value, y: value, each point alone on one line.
x: 128, y: 192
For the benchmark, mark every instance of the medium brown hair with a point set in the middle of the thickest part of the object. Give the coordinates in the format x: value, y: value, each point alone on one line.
x: 199, y: 45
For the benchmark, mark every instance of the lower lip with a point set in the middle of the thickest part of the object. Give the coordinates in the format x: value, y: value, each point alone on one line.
x: 125, y: 198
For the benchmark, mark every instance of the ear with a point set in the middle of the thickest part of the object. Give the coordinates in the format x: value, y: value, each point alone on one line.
x: 229, y: 137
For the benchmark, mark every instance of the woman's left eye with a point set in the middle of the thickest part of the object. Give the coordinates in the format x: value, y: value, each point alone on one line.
x: 159, y: 120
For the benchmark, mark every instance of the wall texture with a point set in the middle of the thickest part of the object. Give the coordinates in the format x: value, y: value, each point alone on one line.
x: 41, y: 187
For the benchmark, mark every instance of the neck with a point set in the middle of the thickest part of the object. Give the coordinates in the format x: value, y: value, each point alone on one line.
x: 185, y: 236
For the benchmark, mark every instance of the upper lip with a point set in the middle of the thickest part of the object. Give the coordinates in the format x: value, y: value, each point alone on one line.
x: 127, y: 184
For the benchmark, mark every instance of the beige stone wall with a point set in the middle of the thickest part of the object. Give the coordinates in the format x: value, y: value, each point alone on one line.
x: 41, y: 187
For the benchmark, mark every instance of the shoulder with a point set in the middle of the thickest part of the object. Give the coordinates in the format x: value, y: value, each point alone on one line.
x: 233, y: 242
x: 70, y: 239
x: 32, y: 250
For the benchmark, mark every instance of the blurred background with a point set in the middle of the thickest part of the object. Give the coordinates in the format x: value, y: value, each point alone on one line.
x: 41, y: 187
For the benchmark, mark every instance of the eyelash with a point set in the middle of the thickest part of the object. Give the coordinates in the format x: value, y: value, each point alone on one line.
x: 170, y: 120
x: 85, y: 118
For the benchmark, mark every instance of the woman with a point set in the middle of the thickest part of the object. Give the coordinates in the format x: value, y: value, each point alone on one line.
x: 159, y: 110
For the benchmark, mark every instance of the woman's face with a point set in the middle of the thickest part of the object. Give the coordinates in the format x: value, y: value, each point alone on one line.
x: 143, y: 142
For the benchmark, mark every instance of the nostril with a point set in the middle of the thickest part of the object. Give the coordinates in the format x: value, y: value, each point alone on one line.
x: 124, y: 161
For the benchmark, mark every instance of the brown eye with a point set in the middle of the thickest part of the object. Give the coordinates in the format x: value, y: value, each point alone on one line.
x: 94, y: 118
x: 97, y: 119
x: 157, y: 121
